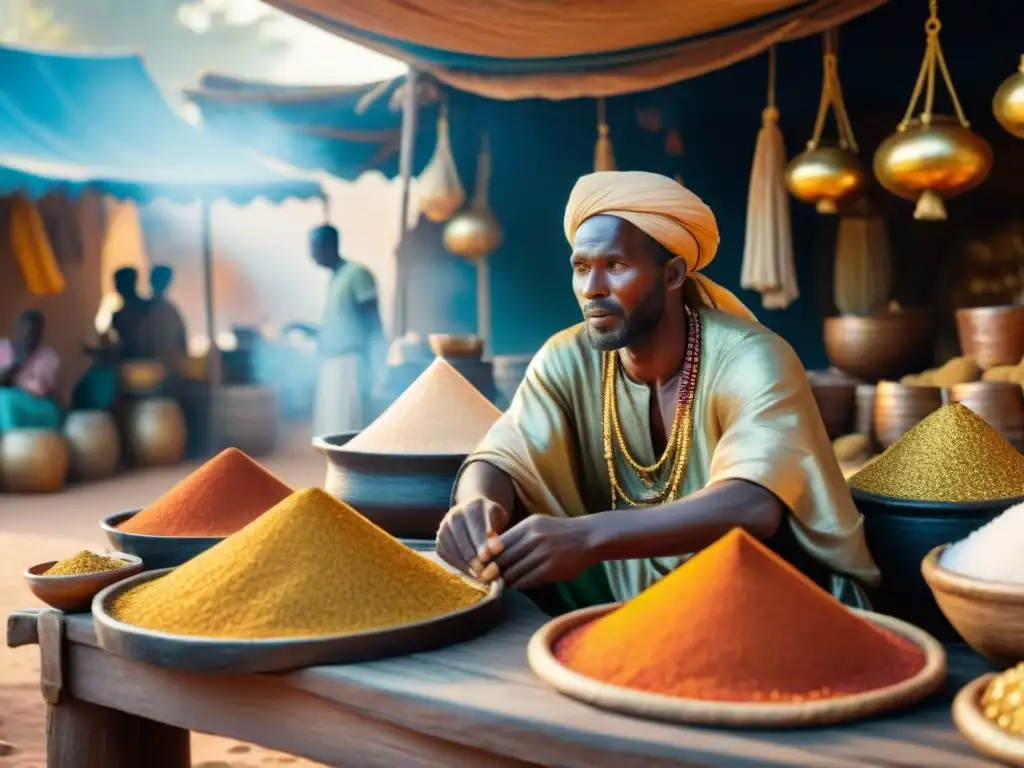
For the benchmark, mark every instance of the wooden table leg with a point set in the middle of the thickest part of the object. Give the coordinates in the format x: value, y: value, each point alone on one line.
x: 164, y: 746
x: 83, y: 735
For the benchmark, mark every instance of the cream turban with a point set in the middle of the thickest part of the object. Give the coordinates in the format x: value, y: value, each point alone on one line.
x: 665, y: 210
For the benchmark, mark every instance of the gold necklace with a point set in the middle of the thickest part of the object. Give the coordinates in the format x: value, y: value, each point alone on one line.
x: 678, y: 445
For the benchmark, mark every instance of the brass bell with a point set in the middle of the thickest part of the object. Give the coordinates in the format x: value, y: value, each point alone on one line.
x: 474, y: 234
x: 825, y: 175
x: 931, y: 162
x: 1008, y: 103
x: 931, y: 158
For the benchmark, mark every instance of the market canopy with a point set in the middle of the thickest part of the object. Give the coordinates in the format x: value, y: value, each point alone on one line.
x: 563, y: 49
x: 71, y: 122
x: 344, y: 130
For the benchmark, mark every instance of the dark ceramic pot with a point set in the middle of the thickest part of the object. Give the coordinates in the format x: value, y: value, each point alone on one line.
x: 900, y: 532
x: 405, y: 495
x: 156, y: 551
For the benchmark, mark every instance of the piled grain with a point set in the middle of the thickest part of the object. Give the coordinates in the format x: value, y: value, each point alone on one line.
x: 85, y: 562
x: 223, y: 496
x: 738, y: 623
x: 950, y: 456
x: 1003, y: 700
x: 440, y: 413
x: 311, y: 566
x: 994, y: 552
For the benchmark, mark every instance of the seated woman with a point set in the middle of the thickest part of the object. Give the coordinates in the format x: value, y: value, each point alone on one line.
x: 28, y: 377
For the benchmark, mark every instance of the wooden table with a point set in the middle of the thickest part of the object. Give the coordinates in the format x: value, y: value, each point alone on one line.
x: 471, y: 705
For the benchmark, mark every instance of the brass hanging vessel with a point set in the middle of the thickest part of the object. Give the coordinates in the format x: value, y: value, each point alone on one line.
x: 439, y: 190
x: 825, y: 174
x: 932, y: 158
x: 1008, y: 103
x: 475, y: 233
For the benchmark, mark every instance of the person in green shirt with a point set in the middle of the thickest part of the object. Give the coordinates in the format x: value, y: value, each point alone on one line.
x: 643, y: 434
x: 350, y: 340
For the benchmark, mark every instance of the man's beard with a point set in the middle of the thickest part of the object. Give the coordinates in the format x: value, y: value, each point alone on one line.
x: 635, y: 328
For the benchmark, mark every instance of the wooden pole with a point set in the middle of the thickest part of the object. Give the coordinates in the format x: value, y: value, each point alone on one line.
x: 213, y: 355
x: 405, y: 165
x: 483, y: 305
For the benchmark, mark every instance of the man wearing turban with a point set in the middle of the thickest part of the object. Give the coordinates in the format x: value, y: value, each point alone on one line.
x: 665, y: 419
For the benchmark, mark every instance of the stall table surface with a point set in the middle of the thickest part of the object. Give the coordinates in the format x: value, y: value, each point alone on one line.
x: 469, y: 705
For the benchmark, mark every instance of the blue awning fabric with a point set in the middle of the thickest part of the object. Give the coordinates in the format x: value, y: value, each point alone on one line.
x: 76, y: 122
x: 344, y: 130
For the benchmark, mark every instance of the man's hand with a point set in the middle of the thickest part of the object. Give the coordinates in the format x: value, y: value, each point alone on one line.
x: 462, y: 537
x: 542, y: 549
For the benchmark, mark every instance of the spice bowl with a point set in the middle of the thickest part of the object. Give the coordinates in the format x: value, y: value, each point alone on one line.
x: 75, y: 593
x: 985, y: 736
x: 988, y: 615
x: 900, y: 533
x: 406, y: 495
x: 992, y: 335
x: 156, y: 551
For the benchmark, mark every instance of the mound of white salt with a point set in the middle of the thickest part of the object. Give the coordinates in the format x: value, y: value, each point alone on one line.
x: 994, y: 552
x: 441, y: 413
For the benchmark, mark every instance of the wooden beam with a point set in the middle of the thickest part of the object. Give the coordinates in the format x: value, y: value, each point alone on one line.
x: 405, y: 165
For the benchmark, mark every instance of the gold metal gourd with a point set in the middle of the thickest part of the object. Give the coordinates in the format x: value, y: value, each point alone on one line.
x: 932, y: 158
x: 474, y: 234
x: 1008, y: 103
x: 439, y: 190
x: 825, y: 174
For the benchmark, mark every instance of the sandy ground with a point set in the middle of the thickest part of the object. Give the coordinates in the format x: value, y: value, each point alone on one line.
x: 34, y: 529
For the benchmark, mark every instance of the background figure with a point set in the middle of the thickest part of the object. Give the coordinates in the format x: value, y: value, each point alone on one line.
x: 166, y: 338
x: 129, y: 322
x: 28, y: 377
x: 351, y: 340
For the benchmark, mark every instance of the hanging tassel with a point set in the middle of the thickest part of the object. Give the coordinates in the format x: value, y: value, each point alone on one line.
x: 863, y: 266
x: 930, y: 207
x: 768, y: 264
x: 604, y: 156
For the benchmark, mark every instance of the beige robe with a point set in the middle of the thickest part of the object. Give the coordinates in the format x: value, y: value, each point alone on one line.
x: 754, y: 419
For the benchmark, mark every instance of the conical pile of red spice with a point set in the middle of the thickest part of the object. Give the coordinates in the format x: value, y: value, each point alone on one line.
x: 738, y: 623
x: 220, y: 498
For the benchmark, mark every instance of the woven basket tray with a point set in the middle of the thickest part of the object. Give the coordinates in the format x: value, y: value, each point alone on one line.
x: 728, y: 714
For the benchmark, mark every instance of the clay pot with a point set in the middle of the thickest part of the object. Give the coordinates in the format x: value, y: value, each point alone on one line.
x: 992, y: 335
x: 884, y: 346
x: 245, y: 417
x: 33, y: 461
x: 999, y: 403
x: 141, y: 376
x: 837, y: 402
x: 94, y: 444
x: 899, y: 408
x: 448, y: 345
x: 155, y: 432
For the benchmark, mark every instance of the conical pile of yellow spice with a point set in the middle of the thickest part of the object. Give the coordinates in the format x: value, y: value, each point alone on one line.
x: 310, y: 566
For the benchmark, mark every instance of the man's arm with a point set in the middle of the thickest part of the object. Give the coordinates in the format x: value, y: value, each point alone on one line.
x: 482, y: 480
x: 686, y: 525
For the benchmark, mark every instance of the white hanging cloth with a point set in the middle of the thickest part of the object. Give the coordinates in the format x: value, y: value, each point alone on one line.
x: 768, y: 263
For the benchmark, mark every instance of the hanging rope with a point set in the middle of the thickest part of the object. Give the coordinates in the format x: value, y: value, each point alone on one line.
x: 926, y: 77
x: 832, y: 96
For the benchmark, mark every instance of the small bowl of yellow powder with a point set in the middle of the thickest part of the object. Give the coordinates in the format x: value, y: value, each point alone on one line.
x: 71, y: 583
x: 989, y: 713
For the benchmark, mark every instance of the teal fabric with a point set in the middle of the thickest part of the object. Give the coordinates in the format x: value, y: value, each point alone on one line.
x: 20, y: 410
x: 588, y: 589
x: 96, y: 390
x: 98, y: 121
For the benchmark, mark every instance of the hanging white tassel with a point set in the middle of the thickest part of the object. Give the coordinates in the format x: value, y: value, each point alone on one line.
x: 768, y: 263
